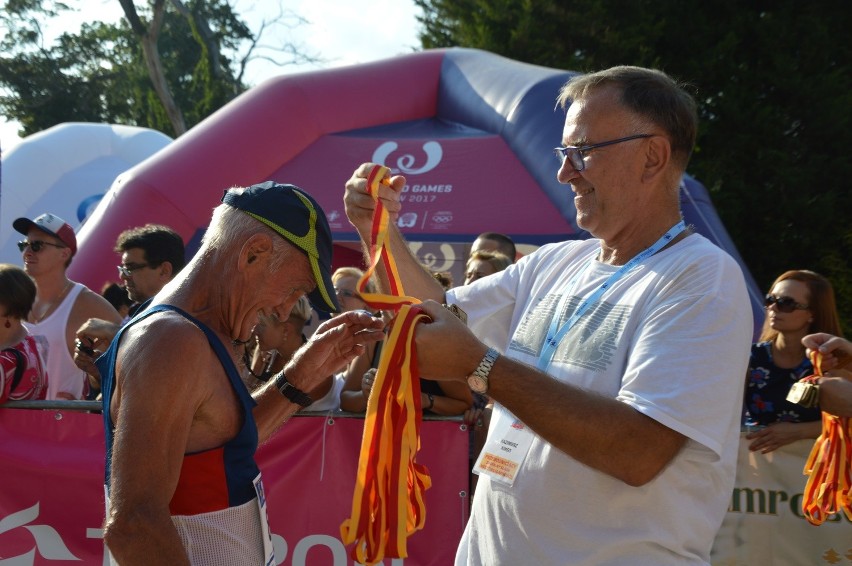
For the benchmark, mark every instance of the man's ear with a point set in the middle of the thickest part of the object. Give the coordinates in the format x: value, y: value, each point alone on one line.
x: 658, y: 156
x: 166, y: 270
x: 257, y: 249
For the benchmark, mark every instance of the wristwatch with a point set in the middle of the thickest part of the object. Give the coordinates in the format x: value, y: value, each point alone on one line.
x: 478, y: 380
x: 291, y: 392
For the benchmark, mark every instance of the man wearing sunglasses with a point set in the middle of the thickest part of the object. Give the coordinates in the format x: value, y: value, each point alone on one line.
x: 61, y: 305
x: 615, y: 363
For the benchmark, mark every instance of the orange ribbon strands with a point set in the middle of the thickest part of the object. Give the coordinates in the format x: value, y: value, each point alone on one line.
x: 829, y: 466
x: 388, y: 504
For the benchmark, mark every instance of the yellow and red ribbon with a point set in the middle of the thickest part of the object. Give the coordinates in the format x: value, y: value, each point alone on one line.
x: 388, y: 504
x: 829, y: 465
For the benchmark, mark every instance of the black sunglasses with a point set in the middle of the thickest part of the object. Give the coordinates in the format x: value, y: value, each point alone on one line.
x: 36, y: 245
x: 783, y: 304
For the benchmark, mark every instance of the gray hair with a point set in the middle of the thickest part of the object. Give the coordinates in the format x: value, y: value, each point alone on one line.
x: 652, y: 95
x: 230, y: 227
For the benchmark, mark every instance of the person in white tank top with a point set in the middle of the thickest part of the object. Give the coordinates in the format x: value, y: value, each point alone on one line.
x: 61, y: 305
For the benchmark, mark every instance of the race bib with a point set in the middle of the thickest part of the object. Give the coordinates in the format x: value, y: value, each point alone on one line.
x: 268, y: 553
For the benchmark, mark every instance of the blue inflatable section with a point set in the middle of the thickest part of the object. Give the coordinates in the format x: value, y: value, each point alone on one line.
x: 506, y: 97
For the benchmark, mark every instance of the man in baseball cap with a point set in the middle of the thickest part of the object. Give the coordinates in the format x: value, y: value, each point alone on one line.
x: 266, y: 247
x: 50, y: 224
x: 61, y: 305
x: 297, y: 217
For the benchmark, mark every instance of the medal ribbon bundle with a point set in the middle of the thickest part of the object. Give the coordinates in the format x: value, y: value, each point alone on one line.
x: 829, y: 466
x: 388, y: 504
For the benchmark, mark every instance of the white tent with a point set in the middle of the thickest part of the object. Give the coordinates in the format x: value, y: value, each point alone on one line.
x: 66, y: 170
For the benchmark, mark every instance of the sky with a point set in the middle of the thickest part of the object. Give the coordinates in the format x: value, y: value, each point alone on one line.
x: 343, y: 32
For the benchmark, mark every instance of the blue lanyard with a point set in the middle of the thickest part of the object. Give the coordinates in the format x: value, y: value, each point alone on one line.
x: 555, y: 333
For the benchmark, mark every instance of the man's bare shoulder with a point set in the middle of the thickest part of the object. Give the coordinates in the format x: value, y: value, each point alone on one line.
x: 91, y: 305
x: 167, y: 370
x: 163, y: 350
x: 164, y: 334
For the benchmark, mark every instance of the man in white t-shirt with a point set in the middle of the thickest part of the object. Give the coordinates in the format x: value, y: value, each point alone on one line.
x: 618, y: 389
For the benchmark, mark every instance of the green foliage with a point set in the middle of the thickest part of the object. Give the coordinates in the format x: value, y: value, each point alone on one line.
x: 99, y: 74
x: 46, y: 86
x: 208, y: 90
x: 774, y: 86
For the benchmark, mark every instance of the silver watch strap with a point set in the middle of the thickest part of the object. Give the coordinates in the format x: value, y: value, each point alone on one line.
x: 484, y: 367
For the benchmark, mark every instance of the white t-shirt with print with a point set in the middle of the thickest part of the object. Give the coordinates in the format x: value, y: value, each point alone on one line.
x: 671, y: 339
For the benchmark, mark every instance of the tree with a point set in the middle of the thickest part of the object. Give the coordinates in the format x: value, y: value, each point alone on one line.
x: 167, y: 65
x: 772, y: 80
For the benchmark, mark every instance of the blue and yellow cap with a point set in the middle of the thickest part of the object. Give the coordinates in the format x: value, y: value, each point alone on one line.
x: 297, y: 217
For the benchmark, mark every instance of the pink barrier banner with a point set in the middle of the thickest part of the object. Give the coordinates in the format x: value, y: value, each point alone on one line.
x: 52, y: 502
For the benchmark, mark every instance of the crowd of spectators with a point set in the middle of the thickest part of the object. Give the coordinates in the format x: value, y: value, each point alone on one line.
x: 60, y: 315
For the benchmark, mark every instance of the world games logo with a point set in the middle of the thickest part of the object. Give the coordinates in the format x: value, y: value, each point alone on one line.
x: 406, y: 163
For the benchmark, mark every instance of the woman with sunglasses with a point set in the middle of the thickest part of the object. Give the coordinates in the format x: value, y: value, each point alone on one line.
x: 22, y: 373
x: 799, y: 303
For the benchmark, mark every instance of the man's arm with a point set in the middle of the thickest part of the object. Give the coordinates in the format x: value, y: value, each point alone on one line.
x: 416, y: 280
x: 835, y: 396
x: 98, y: 333
x: 836, y: 351
x: 601, y: 432
x: 89, y: 305
x: 93, y: 338
x: 334, y: 344
x: 162, y: 382
x: 835, y: 392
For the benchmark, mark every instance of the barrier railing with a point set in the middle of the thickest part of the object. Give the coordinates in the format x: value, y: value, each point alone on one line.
x: 51, y: 501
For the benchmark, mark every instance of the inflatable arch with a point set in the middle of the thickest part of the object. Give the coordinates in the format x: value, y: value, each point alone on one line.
x: 472, y: 132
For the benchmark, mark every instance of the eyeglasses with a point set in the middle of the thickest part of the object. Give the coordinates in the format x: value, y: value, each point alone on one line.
x: 346, y: 293
x: 36, y: 245
x: 127, y: 270
x: 576, y: 155
x: 783, y: 304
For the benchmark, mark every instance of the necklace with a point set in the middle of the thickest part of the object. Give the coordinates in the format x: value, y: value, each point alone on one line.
x: 55, y: 302
x: 266, y: 373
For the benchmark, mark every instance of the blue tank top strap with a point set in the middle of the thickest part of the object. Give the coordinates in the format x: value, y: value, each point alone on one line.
x: 106, y: 366
x: 221, y: 353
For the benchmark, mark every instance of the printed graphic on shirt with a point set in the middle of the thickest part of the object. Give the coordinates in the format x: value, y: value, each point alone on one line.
x: 590, y: 344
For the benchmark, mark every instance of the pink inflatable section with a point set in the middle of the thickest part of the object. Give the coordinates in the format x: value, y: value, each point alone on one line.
x: 472, y: 132
x: 312, y: 130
